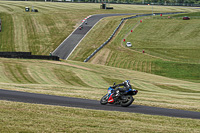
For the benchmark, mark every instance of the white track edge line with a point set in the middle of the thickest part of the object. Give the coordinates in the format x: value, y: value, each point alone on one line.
x: 69, y: 36
x: 83, y: 38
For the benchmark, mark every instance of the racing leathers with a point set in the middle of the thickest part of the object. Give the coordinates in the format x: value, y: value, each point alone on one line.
x: 126, y: 86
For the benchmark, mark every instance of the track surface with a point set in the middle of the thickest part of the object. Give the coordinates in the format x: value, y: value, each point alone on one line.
x: 91, y: 104
x: 69, y: 44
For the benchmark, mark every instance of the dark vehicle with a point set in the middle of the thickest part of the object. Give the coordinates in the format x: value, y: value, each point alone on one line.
x: 80, y: 27
x: 125, y: 98
x: 186, y: 18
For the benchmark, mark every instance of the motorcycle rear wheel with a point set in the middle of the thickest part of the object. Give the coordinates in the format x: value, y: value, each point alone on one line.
x: 128, y: 101
x: 104, y: 100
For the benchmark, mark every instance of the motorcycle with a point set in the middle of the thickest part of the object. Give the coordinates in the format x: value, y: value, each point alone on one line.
x: 124, y: 99
x: 80, y: 27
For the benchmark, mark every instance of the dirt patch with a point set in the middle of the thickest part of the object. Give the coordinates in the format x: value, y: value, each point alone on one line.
x: 101, y: 57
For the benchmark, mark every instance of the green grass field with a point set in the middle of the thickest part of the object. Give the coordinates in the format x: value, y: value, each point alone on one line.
x: 163, y: 77
x: 171, y: 47
x: 15, y: 117
x: 42, y: 32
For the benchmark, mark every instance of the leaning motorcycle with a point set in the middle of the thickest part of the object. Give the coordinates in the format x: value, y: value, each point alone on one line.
x: 125, y: 99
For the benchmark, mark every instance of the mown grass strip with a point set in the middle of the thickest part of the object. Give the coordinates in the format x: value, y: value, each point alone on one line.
x: 69, y: 78
x: 7, y: 32
x: 17, y: 73
x: 177, y: 70
x: 176, y: 88
x: 23, y: 117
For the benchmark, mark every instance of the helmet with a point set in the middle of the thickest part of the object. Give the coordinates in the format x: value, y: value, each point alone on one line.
x: 127, y: 81
x: 127, y: 84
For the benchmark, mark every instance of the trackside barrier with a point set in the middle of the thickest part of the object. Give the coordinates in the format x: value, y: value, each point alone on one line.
x: 27, y: 55
x: 104, y: 42
x: 122, y: 20
x: 14, y: 53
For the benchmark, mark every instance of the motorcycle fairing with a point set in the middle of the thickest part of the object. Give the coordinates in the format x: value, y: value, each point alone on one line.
x: 110, y: 100
x: 110, y: 93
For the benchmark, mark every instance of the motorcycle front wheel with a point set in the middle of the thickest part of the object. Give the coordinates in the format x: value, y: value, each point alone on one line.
x: 104, y: 100
x: 127, y: 101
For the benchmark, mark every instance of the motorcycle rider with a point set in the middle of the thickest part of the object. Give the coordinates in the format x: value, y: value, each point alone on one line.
x: 126, y: 86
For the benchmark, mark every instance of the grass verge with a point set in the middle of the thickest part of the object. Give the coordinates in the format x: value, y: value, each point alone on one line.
x: 23, y: 117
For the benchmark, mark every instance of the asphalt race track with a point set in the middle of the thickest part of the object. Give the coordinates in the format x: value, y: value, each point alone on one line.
x: 70, y: 43
x: 91, y: 104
